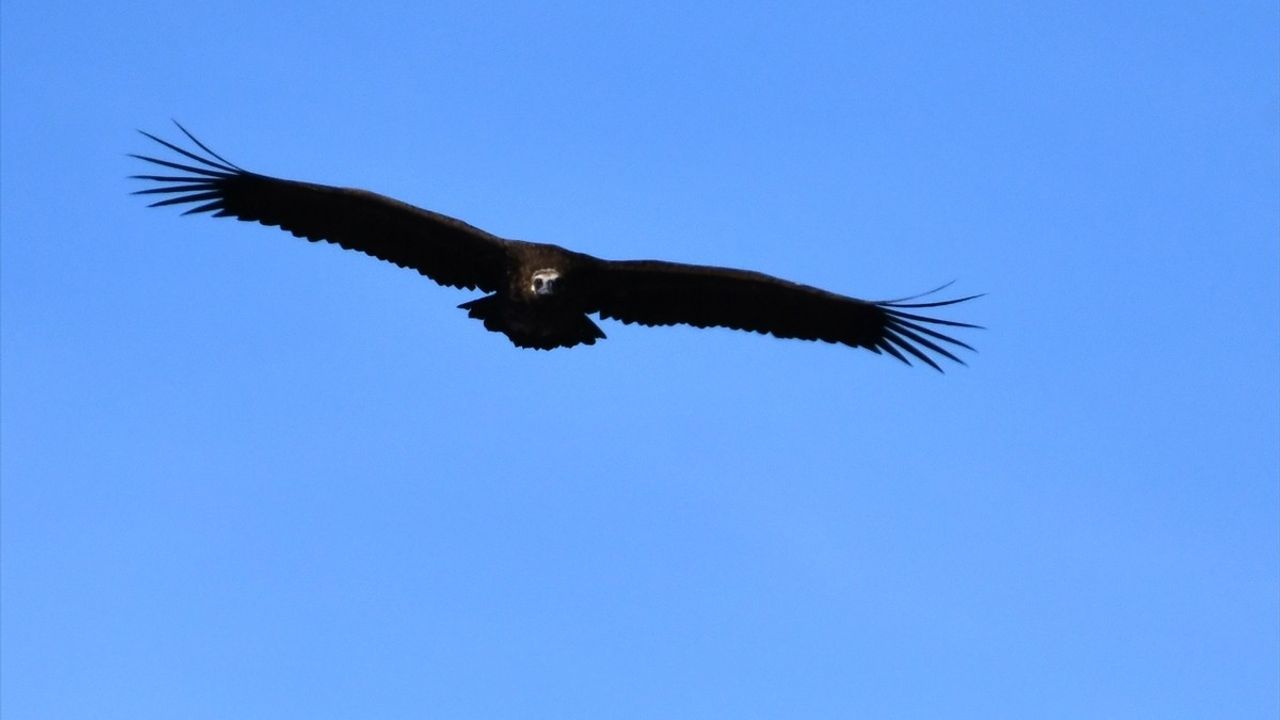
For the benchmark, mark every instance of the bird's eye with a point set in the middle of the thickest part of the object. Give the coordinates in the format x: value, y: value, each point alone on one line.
x: 537, y: 283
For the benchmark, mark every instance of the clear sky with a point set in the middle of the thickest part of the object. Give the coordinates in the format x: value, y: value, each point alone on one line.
x: 249, y: 477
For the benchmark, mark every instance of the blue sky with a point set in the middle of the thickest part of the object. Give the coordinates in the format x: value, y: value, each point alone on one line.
x: 245, y: 476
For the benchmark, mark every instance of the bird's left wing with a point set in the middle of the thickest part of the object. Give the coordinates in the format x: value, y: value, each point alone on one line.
x: 445, y: 249
x: 651, y: 292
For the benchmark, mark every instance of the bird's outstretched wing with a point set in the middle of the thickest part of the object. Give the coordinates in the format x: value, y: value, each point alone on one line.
x: 444, y: 249
x: 651, y: 292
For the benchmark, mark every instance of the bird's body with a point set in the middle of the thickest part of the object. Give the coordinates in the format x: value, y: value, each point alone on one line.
x: 541, y: 295
x: 541, y: 306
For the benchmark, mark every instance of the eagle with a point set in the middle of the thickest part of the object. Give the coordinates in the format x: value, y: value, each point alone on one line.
x: 541, y: 295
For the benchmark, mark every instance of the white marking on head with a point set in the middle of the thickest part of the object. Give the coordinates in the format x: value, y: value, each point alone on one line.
x: 544, y: 281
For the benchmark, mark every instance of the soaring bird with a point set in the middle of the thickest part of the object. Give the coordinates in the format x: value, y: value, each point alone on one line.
x: 540, y: 295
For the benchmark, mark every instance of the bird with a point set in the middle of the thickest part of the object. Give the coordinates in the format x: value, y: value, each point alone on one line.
x: 539, y: 295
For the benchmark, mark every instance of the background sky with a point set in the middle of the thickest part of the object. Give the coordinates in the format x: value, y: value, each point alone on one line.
x: 245, y: 476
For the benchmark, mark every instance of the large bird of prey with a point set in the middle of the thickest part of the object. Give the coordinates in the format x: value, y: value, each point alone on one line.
x: 541, y: 295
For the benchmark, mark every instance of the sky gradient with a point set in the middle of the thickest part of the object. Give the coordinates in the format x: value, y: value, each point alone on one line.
x: 245, y: 476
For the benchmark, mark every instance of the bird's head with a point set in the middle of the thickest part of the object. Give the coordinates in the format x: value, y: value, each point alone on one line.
x: 544, y: 282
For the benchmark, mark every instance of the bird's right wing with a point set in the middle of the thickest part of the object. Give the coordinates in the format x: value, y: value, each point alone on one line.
x: 445, y: 249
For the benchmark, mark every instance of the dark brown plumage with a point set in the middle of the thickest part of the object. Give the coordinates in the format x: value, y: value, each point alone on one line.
x: 540, y: 294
